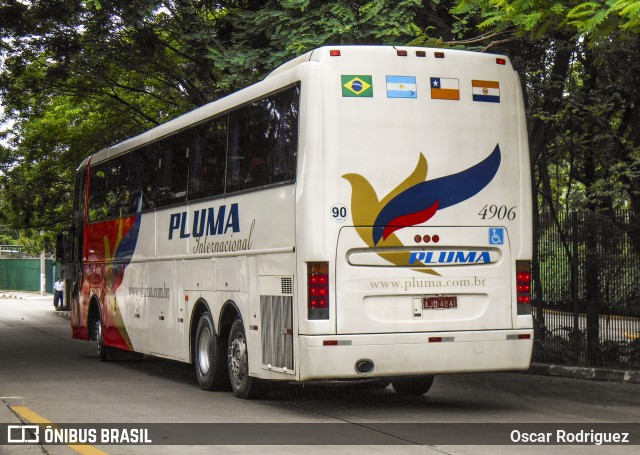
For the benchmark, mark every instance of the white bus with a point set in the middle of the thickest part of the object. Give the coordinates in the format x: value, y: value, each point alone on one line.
x: 363, y: 212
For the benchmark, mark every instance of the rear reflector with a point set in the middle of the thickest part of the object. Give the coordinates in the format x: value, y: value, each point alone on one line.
x: 501, y: 61
x: 318, y: 290
x: 520, y: 336
x: 441, y: 339
x: 336, y: 343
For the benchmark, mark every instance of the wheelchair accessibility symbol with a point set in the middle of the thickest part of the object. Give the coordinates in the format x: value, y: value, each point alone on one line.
x: 496, y: 236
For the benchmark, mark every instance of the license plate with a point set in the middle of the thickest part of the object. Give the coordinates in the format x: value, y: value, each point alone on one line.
x: 442, y: 302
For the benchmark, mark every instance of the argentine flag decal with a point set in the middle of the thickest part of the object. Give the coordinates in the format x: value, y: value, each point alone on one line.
x: 401, y: 87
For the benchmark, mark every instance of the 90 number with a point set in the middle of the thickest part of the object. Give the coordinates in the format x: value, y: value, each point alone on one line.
x: 339, y: 213
x: 500, y: 212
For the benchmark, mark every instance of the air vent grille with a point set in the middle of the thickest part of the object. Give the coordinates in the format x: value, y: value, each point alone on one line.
x: 287, y: 285
x: 277, y: 332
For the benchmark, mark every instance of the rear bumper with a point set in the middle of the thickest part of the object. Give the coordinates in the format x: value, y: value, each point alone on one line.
x: 414, y: 353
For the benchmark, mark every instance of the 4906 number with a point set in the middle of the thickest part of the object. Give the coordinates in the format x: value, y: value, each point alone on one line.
x: 501, y: 212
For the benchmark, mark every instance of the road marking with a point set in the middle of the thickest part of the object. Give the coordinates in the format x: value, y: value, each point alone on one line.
x: 34, y: 417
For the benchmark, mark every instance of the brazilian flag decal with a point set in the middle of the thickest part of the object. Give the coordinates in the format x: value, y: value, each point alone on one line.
x: 357, y: 86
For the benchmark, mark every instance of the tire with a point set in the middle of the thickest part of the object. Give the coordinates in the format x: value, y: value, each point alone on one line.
x: 243, y: 385
x: 412, y: 386
x: 103, y: 351
x: 210, y: 356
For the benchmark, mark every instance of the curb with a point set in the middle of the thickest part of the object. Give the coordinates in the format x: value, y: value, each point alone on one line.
x: 23, y: 295
x: 594, y: 374
x: 10, y: 296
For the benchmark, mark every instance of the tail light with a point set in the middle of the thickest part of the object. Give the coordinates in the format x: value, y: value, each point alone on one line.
x: 523, y: 286
x: 318, y: 290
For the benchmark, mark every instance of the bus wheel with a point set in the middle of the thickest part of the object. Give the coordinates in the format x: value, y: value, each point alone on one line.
x: 210, y: 356
x: 243, y: 385
x: 412, y: 385
x: 103, y: 351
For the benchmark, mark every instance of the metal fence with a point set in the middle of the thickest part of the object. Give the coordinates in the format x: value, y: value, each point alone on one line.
x: 586, y: 293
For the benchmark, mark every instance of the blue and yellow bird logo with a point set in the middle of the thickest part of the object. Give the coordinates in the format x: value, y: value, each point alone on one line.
x: 413, y: 202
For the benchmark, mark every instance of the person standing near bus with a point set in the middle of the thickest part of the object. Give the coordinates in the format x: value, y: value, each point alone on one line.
x: 58, y: 294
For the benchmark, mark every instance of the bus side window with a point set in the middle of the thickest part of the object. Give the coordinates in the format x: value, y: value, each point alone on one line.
x: 133, y: 178
x: 117, y: 198
x: 207, y: 159
x: 248, y: 160
x: 235, y: 156
x: 263, y: 141
x: 172, y: 155
x: 98, y: 193
x: 147, y: 157
x: 285, y: 130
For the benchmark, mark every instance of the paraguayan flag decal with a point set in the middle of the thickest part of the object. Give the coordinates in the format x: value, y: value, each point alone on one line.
x: 401, y: 87
x: 486, y: 91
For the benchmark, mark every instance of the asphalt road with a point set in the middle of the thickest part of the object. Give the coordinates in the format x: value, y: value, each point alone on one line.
x: 46, y: 376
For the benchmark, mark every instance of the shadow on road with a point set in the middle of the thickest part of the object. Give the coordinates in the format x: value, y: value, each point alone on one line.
x: 369, y: 394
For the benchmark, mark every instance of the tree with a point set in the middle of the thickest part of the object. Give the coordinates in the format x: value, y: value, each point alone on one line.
x: 78, y: 76
x: 583, y: 121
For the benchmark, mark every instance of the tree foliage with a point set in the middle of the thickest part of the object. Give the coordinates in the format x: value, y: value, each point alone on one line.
x: 536, y: 19
x: 579, y: 62
x: 79, y: 75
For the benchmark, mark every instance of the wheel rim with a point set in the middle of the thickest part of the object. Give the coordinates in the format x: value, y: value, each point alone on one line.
x: 204, y: 351
x: 238, y: 358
